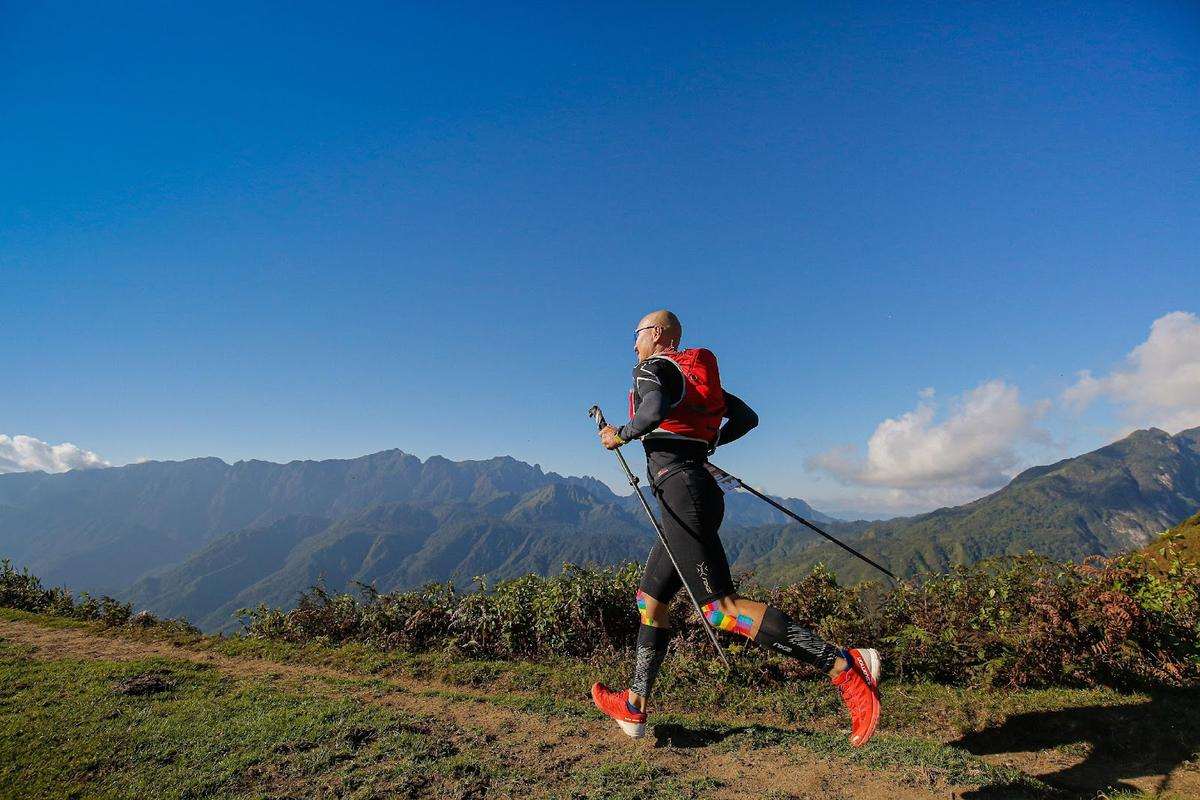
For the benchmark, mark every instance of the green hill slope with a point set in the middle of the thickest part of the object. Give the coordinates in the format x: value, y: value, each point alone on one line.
x: 1184, y: 537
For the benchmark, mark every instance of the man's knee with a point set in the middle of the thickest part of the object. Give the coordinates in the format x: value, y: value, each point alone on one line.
x: 653, y: 613
x: 724, y: 614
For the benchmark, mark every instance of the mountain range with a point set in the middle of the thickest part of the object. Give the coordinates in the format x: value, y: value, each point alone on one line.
x: 1110, y: 500
x: 201, y: 538
x: 195, y: 537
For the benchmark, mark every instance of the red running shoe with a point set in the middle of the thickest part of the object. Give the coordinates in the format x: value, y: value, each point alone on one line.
x: 616, y: 705
x: 859, y: 686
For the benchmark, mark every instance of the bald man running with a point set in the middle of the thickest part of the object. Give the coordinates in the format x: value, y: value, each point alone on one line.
x: 676, y: 408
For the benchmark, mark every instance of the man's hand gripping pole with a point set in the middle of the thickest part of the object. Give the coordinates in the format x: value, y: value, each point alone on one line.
x: 598, y: 415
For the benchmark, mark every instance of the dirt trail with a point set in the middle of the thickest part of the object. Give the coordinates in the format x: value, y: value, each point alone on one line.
x: 560, y: 744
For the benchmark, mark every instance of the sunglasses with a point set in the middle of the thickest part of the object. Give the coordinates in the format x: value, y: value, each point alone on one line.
x: 638, y: 332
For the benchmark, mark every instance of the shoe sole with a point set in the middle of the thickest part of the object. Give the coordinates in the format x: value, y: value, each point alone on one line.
x: 634, y: 730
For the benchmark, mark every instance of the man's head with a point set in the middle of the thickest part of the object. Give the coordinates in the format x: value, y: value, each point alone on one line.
x: 658, y: 331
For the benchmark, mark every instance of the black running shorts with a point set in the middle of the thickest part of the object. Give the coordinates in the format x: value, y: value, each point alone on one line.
x: 692, y: 506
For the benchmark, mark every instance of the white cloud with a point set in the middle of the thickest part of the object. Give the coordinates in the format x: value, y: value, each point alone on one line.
x: 25, y: 454
x: 896, y: 502
x: 1159, y: 384
x: 951, y: 460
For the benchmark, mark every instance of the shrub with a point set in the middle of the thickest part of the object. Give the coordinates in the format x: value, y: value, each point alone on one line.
x: 23, y: 591
x: 1016, y: 621
x: 104, y: 609
x: 576, y: 613
x: 1010, y: 621
x: 1030, y: 621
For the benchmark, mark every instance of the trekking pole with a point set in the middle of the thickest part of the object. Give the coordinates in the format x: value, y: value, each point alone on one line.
x: 598, y: 415
x: 735, y: 482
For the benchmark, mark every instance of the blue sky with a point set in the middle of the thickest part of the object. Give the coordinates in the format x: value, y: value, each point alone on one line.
x: 315, y: 231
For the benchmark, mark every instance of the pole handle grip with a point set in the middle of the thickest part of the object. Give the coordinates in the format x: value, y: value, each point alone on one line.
x: 598, y: 415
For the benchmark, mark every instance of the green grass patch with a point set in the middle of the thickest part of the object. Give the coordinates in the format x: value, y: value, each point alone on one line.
x: 948, y: 712
x: 67, y: 730
x: 637, y: 779
x: 933, y: 761
x: 45, y: 620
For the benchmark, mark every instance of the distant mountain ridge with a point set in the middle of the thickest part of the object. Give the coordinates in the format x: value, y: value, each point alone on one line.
x: 224, y: 530
x: 105, y: 528
x: 202, y: 538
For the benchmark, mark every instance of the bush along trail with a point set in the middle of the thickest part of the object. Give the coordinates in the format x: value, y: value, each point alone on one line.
x: 1014, y: 678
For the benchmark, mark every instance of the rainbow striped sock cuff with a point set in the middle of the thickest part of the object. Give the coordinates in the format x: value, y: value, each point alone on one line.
x: 740, y: 624
x: 647, y: 618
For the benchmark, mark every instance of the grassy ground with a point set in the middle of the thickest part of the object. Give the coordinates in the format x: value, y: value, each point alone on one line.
x: 68, y: 731
x: 350, y: 722
x: 922, y: 709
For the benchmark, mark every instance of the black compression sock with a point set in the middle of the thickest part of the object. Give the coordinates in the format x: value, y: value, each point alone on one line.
x: 651, y: 649
x: 782, y: 634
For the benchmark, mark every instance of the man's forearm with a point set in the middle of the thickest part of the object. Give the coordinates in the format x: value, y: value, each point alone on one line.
x: 742, y: 419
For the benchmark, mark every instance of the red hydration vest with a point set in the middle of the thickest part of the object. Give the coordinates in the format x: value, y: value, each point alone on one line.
x: 698, y: 416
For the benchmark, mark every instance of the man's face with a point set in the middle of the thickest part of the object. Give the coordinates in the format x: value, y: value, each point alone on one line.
x: 645, y: 338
